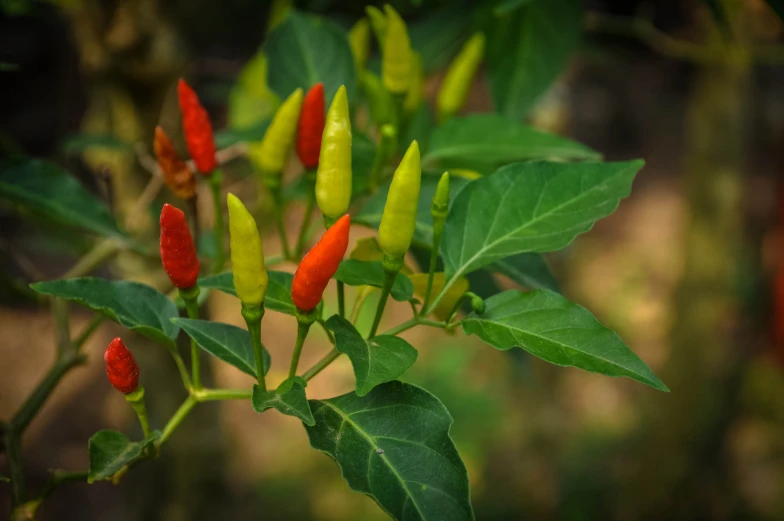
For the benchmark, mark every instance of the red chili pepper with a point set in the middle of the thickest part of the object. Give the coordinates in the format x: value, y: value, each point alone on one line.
x: 318, y: 266
x: 311, y: 126
x: 197, y: 128
x: 121, y: 368
x: 176, y: 174
x: 178, y: 252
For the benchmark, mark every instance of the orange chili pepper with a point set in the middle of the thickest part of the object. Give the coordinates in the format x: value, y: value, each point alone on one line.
x: 176, y: 174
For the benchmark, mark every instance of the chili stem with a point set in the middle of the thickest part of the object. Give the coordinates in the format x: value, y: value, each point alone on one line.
x: 302, y: 333
x: 191, y: 299
x: 207, y: 395
x: 220, y: 255
x: 176, y: 420
x: 88, y: 330
x: 186, y: 381
x: 252, y: 314
x: 136, y: 399
x: 432, y: 271
x: 321, y: 364
x: 341, y: 299
x: 389, y: 279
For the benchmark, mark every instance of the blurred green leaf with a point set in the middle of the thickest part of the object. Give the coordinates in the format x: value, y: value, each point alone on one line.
x: 393, y: 444
x: 376, y: 360
x: 251, y: 104
x: 530, y: 207
x: 548, y: 326
x: 439, y: 35
x: 530, y: 270
x: 289, y: 399
x: 230, y: 136
x: 486, y: 142
x: 371, y: 273
x: 304, y: 50
x: 231, y: 344
x: 278, y: 297
x: 507, y: 6
x: 363, y: 152
x: 77, y: 144
x: 133, y: 305
x: 527, y: 50
x: 110, y: 451
x: 419, y: 128
x: 51, y: 191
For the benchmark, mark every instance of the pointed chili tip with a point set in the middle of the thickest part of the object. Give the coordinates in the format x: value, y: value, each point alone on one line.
x: 342, y: 225
x: 412, y: 154
x: 171, y: 214
x: 121, y: 368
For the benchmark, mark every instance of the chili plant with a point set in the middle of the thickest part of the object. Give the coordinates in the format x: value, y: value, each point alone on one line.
x: 472, y: 193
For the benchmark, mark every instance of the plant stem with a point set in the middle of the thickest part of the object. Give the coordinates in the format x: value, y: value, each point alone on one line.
x: 389, y: 279
x: 416, y: 321
x: 362, y: 295
x: 207, y: 395
x: 432, y: 271
x: 302, y: 333
x: 58, y: 478
x: 252, y: 314
x: 176, y: 420
x: 215, y: 185
x: 88, y: 330
x: 330, y: 336
x: 306, y: 218
x: 13, y: 450
x: 191, y: 299
x: 136, y: 399
x: 341, y: 299
x: 186, y: 381
x: 321, y: 364
x: 99, y: 253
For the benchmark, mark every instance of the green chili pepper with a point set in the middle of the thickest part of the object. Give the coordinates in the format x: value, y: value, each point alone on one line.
x: 396, y: 55
x: 399, y: 218
x: 270, y: 154
x: 333, y: 178
x: 378, y: 21
x: 359, y: 40
x: 458, y: 78
x: 247, y: 257
x: 416, y: 91
x: 379, y: 100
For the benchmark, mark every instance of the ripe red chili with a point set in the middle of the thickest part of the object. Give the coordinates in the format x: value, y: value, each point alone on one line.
x: 121, y: 368
x: 318, y: 266
x: 311, y: 126
x: 178, y: 252
x: 197, y: 128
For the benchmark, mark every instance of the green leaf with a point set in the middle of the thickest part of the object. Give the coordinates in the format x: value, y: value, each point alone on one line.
x: 419, y: 129
x: 76, y: 144
x: 250, y: 133
x: 231, y: 344
x: 530, y: 270
x: 47, y: 189
x: 363, y: 152
x: 394, y: 445
x: 304, y: 50
x: 370, y: 213
x: 251, y: 104
x: 438, y: 36
x: 527, y: 50
x: 525, y: 207
x: 289, y: 399
x: 548, y: 326
x: 485, y: 142
x: 507, y: 6
x: 371, y: 273
x: 110, y: 451
x: 278, y: 297
x: 377, y: 360
x: 136, y: 306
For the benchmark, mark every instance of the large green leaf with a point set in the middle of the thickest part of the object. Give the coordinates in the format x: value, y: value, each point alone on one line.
x: 548, y: 326
x: 133, y: 305
x: 371, y: 273
x: 251, y: 104
x: 530, y: 207
x: 393, y: 444
x: 51, y: 191
x: 371, y: 211
x: 527, y: 269
x: 438, y: 36
x: 377, y: 360
x: 289, y: 399
x: 363, y: 152
x: 278, y: 297
x: 528, y: 49
x: 110, y: 451
x: 485, y: 142
x: 231, y: 344
x: 304, y: 50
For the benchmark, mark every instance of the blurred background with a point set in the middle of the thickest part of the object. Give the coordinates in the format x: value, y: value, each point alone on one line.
x: 689, y: 270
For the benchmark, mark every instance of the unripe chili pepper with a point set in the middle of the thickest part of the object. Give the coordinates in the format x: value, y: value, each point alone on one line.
x: 416, y: 90
x: 459, y: 75
x: 121, y: 368
x: 396, y: 55
x: 247, y: 257
x: 197, y: 128
x: 379, y: 100
x: 176, y: 174
x: 270, y: 154
x: 359, y: 39
x: 178, y: 253
x: 378, y: 21
x: 311, y: 126
x: 319, y: 265
x: 399, y: 218
x: 333, y: 179
x: 440, y: 205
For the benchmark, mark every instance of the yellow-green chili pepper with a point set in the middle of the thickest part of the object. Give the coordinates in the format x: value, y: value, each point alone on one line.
x: 399, y: 218
x: 247, y: 257
x: 333, y: 178
x: 379, y: 100
x: 269, y: 155
x: 416, y: 90
x: 378, y: 21
x: 396, y: 55
x: 359, y: 39
x: 458, y: 78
